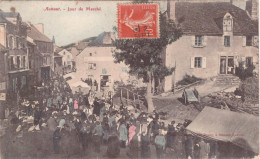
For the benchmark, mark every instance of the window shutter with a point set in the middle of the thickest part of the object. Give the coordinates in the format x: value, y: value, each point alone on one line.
x: 193, y: 40
x: 25, y: 62
x: 192, y: 62
x: 243, y: 60
x: 255, y: 41
x: 236, y: 61
x: 204, y: 62
x: 14, y: 60
x: 204, y: 38
x: 244, y: 40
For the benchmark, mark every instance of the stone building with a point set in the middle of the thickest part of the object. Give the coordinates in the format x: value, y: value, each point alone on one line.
x: 67, y: 60
x: 15, y: 72
x: 96, y: 61
x: 58, y: 68
x: 217, y: 36
x: 40, y: 48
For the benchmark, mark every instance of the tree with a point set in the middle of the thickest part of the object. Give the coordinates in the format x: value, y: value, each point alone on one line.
x: 143, y: 56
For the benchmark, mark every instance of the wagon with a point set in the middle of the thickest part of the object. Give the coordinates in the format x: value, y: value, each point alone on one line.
x: 190, y: 96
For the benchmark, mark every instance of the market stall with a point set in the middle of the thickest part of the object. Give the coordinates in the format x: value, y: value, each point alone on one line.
x: 240, y: 129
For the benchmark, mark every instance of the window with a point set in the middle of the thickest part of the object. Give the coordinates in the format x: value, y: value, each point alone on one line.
x: 197, y: 62
x: 24, y: 62
x: 17, y: 42
x: 11, y: 63
x: 30, y: 64
x: 91, y: 66
x: 249, y: 41
x: 227, y: 41
x: 23, y: 82
x: 14, y: 42
x: 104, y: 71
x: 124, y: 69
x: 227, y: 23
x: 18, y: 62
x: 198, y: 40
x: 249, y: 61
x: 10, y: 42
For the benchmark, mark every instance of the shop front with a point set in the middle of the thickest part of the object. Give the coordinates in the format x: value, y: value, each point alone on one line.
x: 18, y: 83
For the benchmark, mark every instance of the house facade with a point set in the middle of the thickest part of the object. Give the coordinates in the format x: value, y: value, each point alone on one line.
x: 3, y: 70
x: 96, y: 61
x: 41, y: 53
x: 13, y: 40
x: 67, y: 60
x: 58, y: 68
x: 216, y: 38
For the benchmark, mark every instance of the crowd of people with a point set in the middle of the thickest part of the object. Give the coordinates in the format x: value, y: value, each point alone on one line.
x: 98, y: 121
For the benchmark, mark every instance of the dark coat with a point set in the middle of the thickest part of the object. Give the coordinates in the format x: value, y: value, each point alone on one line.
x: 113, y: 146
x: 97, y: 108
x: 145, y: 147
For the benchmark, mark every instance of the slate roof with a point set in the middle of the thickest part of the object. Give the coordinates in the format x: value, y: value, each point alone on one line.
x: 2, y: 18
x: 206, y: 18
x: 57, y: 55
x: 103, y: 39
x: 2, y: 48
x: 10, y: 14
x: 58, y: 50
x: 82, y: 45
x: 37, y: 35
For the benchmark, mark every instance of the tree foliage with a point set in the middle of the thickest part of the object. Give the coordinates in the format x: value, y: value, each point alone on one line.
x: 144, y: 55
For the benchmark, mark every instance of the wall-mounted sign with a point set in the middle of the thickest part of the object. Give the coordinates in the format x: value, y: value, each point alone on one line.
x: 2, y: 86
x: 2, y: 96
x: 104, y: 71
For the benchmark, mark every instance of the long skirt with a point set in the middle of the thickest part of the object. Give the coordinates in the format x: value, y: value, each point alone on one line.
x: 96, y: 142
x: 113, y: 146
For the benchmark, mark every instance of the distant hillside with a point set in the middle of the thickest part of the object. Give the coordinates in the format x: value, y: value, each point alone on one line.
x: 84, y: 40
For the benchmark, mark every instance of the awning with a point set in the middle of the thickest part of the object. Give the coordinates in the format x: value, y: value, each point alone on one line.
x: 72, y: 75
x: 228, y: 126
x: 78, y: 86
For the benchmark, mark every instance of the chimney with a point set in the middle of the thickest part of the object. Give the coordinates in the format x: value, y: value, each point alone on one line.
x: 171, y: 9
x: 252, y: 9
x: 39, y: 27
x: 254, y: 12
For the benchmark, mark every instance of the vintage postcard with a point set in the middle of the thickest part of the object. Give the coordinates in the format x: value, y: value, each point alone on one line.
x: 159, y: 79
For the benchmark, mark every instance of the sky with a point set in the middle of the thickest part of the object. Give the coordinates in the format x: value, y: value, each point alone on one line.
x: 67, y: 26
x: 72, y: 26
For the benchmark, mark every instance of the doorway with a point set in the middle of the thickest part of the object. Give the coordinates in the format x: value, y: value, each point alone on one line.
x: 227, y: 65
x: 230, y: 63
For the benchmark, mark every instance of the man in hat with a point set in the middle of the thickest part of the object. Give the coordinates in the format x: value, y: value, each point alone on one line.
x: 145, y: 144
x: 204, y: 149
x: 37, y: 115
x: 96, y: 109
x: 189, y: 146
x: 170, y: 134
x: 97, y: 137
x: 56, y: 140
x: 52, y: 124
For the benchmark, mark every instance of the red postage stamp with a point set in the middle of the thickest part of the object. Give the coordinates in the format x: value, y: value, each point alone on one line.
x: 138, y: 21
